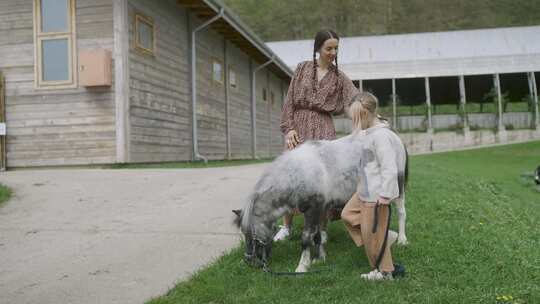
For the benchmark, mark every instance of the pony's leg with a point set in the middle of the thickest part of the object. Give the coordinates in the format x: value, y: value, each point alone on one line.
x: 305, y: 261
x: 323, y: 225
x: 402, y: 217
x: 321, y: 238
x: 318, y: 233
x: 310, y: 236
x: 305, y: 258
x: 321, y: 252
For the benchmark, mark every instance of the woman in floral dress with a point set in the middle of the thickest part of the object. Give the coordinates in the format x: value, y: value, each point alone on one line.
x: 318, y: 89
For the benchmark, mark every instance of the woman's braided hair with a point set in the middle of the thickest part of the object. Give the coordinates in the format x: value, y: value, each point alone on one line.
x: 320, y: 39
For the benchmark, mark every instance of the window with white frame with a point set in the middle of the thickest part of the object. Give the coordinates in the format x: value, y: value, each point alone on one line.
x: 217, y: 71
x: 54, y: 28
x: 232, y: 78
x: 144, y: 34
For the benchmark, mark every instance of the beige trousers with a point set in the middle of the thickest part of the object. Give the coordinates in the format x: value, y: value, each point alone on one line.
x: 358, y: 217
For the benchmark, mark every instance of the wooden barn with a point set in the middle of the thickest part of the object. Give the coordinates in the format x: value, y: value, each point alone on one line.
x: 126, y: 81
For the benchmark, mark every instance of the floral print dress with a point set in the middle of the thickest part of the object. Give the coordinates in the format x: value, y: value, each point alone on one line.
x: 308, y: 109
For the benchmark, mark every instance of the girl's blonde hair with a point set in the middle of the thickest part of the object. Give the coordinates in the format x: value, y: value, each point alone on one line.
x: 364, y: 101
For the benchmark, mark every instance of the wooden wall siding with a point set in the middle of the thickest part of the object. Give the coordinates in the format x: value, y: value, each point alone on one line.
x: 240, y: 104
x: 160, y: 117
x: 276, y: 141
x: 55, y: 127
x: 2, y: 120
x: 160, y: 101
x: 211, y: 109
x: 263, y: 123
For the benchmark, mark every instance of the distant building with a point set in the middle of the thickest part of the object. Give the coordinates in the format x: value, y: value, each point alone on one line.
x: 99, y: 82
x: 375, y: 63
x: 430, y: 70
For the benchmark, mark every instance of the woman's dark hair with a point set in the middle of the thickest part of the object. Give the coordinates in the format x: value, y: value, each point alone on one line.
x: 320, y: 39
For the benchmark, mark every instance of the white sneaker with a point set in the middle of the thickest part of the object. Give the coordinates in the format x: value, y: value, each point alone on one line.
x: 376, y: 275
x: 282, y: 234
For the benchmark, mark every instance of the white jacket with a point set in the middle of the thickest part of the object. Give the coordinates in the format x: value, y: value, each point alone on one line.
x: 383, y: 159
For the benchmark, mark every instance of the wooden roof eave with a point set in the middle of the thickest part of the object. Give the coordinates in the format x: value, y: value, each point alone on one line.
x: 240, y: 38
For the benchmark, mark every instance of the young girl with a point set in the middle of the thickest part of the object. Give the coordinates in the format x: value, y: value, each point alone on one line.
x: 318, y: 89
x: 366, y: 214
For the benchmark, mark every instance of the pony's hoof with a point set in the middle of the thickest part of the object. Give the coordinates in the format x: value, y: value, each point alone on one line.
x: 402, y: 240
x: 301, y: 268
x: 319, y: 260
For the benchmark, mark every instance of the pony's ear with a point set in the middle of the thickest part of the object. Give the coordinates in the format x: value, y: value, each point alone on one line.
x: 238, y: 218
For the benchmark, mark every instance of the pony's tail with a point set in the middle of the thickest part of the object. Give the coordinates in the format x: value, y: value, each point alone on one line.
x: 403, y: 178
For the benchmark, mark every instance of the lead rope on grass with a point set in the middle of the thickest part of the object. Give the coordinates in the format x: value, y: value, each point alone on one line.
x: 267, y: 269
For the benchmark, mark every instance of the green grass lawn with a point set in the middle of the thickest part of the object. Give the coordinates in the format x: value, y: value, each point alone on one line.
x: 5, y: 193
x: 473, y: 231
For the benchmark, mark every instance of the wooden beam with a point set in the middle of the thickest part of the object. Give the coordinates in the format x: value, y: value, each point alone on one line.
x: 221, y: 22
x: 497, y: 86
x: 3, y: 139
x: 428, y: 103
x: 394, y: 105
x: 194, y: 6
x: 463, y: 102
x: 230, y: 37
x: 204, y: 14
x: 191, y: 3
x: 121, y: 80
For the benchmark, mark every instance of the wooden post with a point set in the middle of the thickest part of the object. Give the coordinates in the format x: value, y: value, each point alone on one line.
x: 283, y: 96
x: 121, y: 79
x: 501, y: 130
x: 227, y: 99
x: 3, y: 136
x: 253, y: 73
x: 428, y: 102
x: 497, y: 86
x: 253, y: 109
x: 394, y: 105
x: 269, y: 95
x: 531, y: 94
x: 463, y: 102
x: 534, y: 95
x: 360, y: 85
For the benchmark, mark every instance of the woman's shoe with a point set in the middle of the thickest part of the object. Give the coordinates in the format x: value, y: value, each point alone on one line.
x: 283, y: 233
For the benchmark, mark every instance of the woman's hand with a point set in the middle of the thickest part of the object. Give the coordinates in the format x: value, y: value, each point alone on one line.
x: 292, y: 139
x: 383, y: 201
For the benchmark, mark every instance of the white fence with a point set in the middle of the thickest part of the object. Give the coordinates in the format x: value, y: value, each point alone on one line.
x: 515, y: 120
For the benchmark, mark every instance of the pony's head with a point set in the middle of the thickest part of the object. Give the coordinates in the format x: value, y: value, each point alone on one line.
x: 257, y: 238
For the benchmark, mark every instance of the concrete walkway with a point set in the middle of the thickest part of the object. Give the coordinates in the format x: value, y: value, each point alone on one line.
x: 114, y: 236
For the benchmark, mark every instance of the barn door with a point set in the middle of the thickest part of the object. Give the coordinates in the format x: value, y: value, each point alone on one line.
x: 3, y: 152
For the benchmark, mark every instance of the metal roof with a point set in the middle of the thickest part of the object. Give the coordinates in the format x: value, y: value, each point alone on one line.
x: 467, y: 52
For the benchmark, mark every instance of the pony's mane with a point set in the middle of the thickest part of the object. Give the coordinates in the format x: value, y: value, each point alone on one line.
x: 247, y: 213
